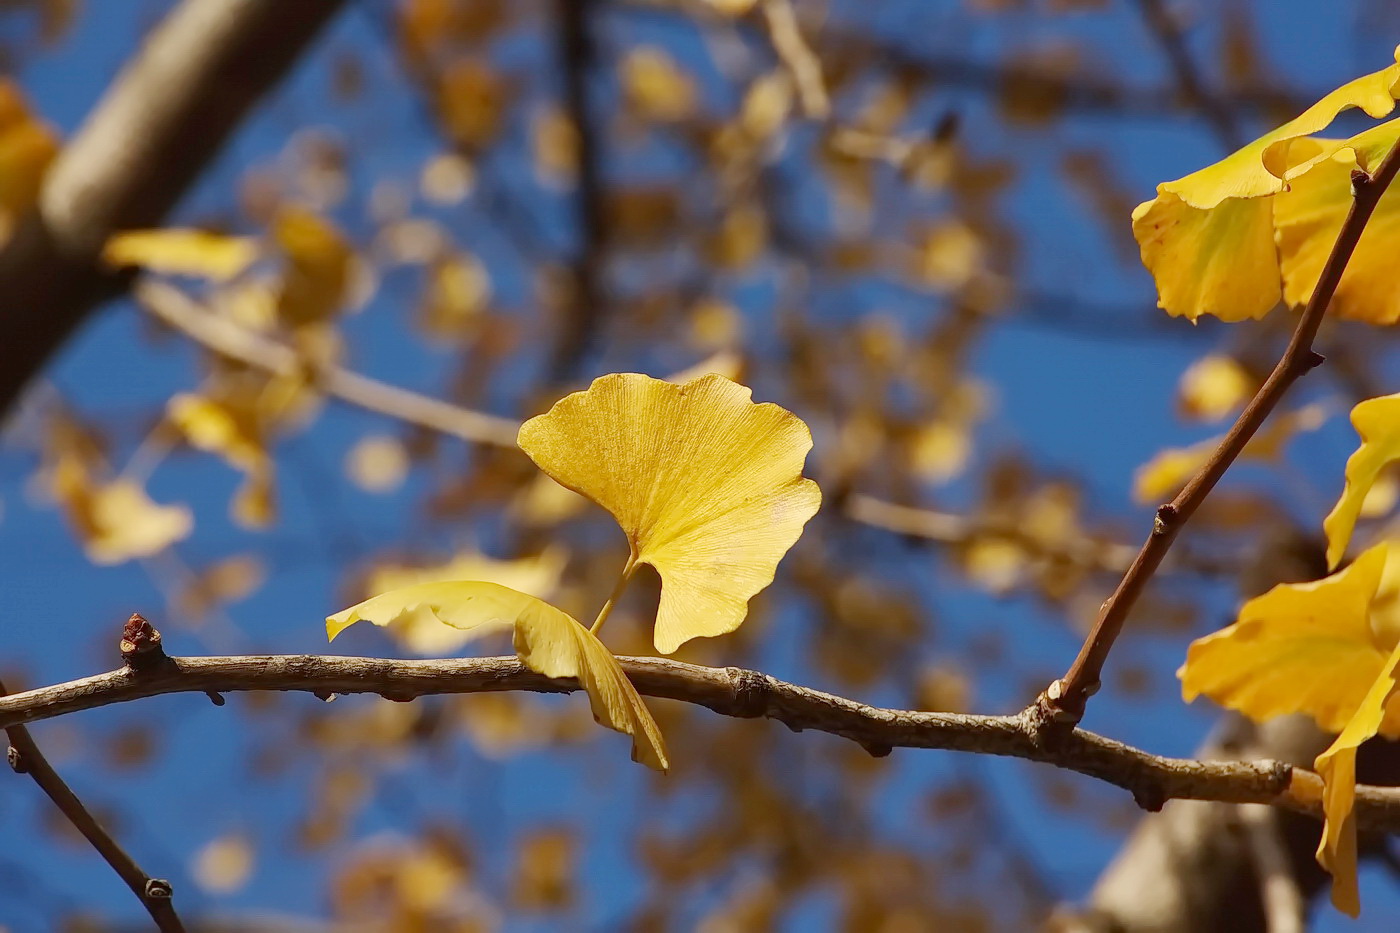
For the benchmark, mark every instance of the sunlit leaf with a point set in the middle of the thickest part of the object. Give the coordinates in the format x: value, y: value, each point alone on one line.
x: 1209, y: 238
x: 1299, y: 648
x: 182, y: 252
x: 706, y: 484
x: 536, y: 576
x: 547, y: 640
x: 377, y: 463
x: 1377, y: 421
x: 656, y: 85
x: 1337, y: 850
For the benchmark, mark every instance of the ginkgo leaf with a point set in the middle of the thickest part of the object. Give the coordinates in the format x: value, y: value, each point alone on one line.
x: 547, y: 640
x: 182, y: 252
x: 1209, y: 238
x: 316, y: 281
x: 1377, y: 421
x: 27, y: 148
x: 1299, y: 648
x: 706, y: 484
x: 116, y: 521
x: 235, y: 432
x: 1213, y: 387
x: 536, y: 576
x: 1337, y: 850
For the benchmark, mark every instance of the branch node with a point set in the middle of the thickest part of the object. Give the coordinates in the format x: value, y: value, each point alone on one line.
x: 1361, y: 180
x: 159, y: 889
x: 751, y: 692
x: 1165, y: 519
x: 1312, y: 359
x: 215, y: 697
x: 394, y: 696
x: 1149, y: 795
x: 16, y: 760
x: 324, y: 695
x: 140, y: 645
x: 877, y: 749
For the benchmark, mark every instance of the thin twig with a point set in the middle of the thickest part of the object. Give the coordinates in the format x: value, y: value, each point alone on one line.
x: 1152, y: 779
x: 799, y: 59
x: 154, y: 893
x: 232, y: 340
x: 951, y: 528
x: 1165, y: 28
x: 1065, y: 699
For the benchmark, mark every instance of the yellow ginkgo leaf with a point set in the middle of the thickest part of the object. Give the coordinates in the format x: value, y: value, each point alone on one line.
x: 316, y: 281
x: 1209, y: 238
x: 1309, y: 216
x: 706, y: 484
x: 547, y: 640
x: 1337, y: 850
x: 27, y: 148
x: 1299, y: 648
x: 234, y: 431
x: 536, y: 576
x: 116, y: 521
x: 182, y: 252
x: 1213, y: 387
x: 1377, y: 421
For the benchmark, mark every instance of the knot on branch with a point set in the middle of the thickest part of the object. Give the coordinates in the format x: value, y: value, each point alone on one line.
x: 140, y: 645
x: 1148, y: 793
x: 1051, y: 719
x: 751, y: 692
x: 159, y: 889
x: 1165, y: 519
x: 16, y: 760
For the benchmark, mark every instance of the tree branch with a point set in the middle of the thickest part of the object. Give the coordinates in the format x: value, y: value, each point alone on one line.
x: 236, y: 342
x: 1065, y: 699
x: 1152, y: 779
x: 162, y: 121
x: 1164, y: 27
x: 154, y: 893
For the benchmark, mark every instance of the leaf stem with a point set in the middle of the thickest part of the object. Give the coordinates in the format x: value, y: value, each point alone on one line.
x: 616, y: 593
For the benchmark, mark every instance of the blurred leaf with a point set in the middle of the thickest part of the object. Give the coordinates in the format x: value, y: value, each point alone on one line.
x: 224, y: 865
x: 182, y: 252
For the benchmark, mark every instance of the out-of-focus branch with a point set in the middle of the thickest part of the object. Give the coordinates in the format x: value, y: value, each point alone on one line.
x: 161, y: 122
x: 587, y: 305
x: 234, y: 341
x: 1152, y: 779
x: 1167, y: 31
x: 797, y: 56
x: 154, y: 893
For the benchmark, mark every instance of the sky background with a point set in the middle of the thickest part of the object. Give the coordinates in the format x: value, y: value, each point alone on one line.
x: 1117, y: 369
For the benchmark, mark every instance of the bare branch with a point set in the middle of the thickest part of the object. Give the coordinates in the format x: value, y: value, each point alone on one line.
x: 232, y: 340
x: 162, y: 121
x: 1167, y: 31
x: 26, y: 758
x: 1064, y: 701
x: 1152, y: 779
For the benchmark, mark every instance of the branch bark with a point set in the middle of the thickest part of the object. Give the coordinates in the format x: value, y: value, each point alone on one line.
x: 161, y: 122
x: 1151, y: 779
x: 25, y: 757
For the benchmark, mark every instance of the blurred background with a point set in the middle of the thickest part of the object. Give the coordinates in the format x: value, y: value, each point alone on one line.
x: 907, y: 221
